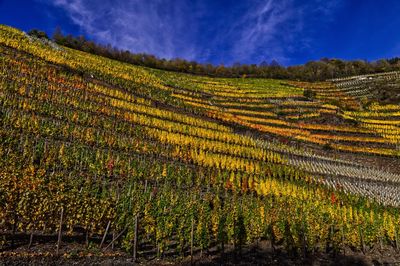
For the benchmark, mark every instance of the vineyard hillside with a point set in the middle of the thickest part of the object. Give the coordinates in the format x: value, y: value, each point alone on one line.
x: 104, y: 157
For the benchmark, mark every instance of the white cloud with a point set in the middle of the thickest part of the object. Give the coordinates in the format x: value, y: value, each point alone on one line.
x: 262, y: 30
x: 273, y: 29
x: 156, y: 27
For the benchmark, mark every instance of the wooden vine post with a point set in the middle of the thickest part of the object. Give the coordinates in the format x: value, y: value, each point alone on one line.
x: 361, y: 239
x: 343, y: 239
x: 303, y: 239
x: 30, y: 239
x: 14, y: 227
x: 191, y: 242
x: 60, y: 230
x: 115, y: 238
x: 135, y: 239
x: 105, y: 234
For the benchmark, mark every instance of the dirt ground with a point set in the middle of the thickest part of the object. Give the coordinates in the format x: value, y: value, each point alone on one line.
x: 255, y: 254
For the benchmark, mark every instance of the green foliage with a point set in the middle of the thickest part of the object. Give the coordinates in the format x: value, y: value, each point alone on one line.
x: 38, y: 34
x: 309, y: 94
x: 311, y: 71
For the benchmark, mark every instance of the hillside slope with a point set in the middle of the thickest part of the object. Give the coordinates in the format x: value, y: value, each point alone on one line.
x: 192, y: 159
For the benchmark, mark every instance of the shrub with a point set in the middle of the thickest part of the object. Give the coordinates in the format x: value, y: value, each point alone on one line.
x: 309, y: 94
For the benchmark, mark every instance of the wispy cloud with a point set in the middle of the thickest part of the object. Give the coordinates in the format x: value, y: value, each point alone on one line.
x: 156, y: 27
x: 274, y: 29
x: 260, y: 30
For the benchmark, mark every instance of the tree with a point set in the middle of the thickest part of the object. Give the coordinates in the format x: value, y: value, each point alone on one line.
x: 382, y: 65
x: 320, y: 70
x: 58, y: 37
x: 274, y: 63
x: 38, y: 34
x: 309, y: 94
x: 263, y: 64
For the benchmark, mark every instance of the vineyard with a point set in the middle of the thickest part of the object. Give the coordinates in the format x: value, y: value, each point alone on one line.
x: 162, y: 164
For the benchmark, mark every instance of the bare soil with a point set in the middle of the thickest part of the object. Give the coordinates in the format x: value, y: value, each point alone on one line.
x: 261, y: 253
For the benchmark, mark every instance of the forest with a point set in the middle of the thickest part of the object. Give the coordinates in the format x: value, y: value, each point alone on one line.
x: 319, y: 70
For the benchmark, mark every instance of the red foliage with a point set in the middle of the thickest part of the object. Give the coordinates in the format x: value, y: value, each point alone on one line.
x: 333, y: 198
x: 110, y: 165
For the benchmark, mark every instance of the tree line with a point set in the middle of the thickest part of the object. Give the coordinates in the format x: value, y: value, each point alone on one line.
x: 319, y: 70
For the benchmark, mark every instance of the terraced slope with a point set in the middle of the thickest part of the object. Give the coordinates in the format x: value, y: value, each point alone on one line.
x: 279, y: 113
x: 383, y: 86
x: 191, y: 159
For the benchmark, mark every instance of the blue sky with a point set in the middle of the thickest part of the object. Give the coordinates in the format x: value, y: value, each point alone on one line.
x: 226, y: 31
